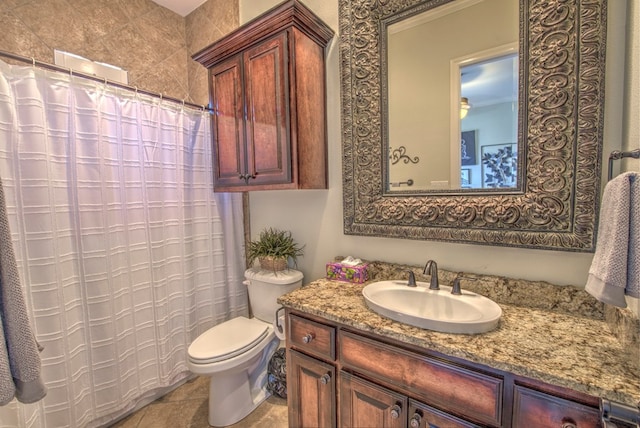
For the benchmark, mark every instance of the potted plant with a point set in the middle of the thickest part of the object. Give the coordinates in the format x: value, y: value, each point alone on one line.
x: 273, y: 249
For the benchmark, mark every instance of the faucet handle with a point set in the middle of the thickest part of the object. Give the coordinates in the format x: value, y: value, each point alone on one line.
x: 412, y: 279
x: 455, y: 286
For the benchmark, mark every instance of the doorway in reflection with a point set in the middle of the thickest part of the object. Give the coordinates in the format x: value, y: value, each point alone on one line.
x: 488, y: 118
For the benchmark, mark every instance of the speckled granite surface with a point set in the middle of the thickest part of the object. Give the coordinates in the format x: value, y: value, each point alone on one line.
x: 558, y: 335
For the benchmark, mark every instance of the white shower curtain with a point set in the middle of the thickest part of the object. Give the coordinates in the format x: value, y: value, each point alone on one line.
x: 125, y: 253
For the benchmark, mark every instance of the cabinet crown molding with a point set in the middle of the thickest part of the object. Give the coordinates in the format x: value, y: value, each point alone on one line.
x: 290, y: 13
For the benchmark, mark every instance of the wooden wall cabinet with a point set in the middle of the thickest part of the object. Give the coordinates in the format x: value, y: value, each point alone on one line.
x: 338, y: 376
x: 268, y: 95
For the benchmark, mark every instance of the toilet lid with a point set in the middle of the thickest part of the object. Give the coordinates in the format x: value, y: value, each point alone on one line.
x: 227, y: 340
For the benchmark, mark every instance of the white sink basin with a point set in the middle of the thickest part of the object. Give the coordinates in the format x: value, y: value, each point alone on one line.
x: 437, y: 310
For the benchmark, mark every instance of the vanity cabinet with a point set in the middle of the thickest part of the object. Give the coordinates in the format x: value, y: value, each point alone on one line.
x: 339, y: 375
x: 267, y: 92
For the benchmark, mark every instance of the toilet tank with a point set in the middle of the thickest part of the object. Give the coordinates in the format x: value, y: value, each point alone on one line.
x: 265, y: 287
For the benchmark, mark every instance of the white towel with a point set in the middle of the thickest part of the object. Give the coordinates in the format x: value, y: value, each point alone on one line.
x: 19, y: 359
x: 615, y: 269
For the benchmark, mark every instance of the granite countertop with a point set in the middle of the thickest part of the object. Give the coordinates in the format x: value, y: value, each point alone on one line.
x: 574, y: 349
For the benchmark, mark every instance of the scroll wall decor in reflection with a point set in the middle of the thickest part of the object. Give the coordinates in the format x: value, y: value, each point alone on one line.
x: 562, y: 51
x: 400, y: 154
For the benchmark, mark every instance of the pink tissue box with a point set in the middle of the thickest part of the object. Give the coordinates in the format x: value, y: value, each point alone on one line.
x: 355, y: 274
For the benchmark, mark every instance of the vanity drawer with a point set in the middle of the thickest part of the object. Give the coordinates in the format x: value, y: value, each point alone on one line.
x: 312, y: 337
x: 423, y: 416
x: 535, y: 409
x: 470, y: 394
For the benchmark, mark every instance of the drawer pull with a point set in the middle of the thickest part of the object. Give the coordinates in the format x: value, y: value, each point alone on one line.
x: 415, y: 420
x: 325, y: 378
x: 395, y: 411
x: 307, y: 338
x: 568, y: 423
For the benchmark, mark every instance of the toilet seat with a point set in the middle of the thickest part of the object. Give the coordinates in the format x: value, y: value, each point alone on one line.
x: 227, y: 340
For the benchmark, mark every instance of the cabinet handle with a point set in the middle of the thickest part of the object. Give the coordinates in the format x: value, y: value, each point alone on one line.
x: 307, y: 338
x: 395, y: 411
x: 325, y: 378
x: 569, y: 423
x: 415, y: 420
x: 246, y: 177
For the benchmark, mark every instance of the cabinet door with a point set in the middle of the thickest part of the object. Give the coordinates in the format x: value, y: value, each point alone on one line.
x: 365, y: 405
x: 267, y: 127
x: 534, y: 409
x: 311, y: 392
x: 229, y: 148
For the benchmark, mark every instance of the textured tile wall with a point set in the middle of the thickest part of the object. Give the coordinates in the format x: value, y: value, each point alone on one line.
x: 205, y: 25
x: 152, y: 43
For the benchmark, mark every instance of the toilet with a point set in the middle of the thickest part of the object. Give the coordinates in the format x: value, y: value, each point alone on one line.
x: 235, y: 354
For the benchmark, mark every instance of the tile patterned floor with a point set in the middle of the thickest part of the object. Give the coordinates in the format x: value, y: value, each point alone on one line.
x: 187, y: 407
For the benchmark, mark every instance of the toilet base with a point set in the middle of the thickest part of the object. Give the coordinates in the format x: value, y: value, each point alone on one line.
x: 234, y: 396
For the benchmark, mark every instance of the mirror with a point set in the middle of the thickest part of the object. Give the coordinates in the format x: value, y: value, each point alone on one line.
x: 431, y: 145
x: 554, y: 202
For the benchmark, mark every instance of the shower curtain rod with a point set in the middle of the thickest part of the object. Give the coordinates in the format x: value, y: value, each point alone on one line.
x: 72, y: 72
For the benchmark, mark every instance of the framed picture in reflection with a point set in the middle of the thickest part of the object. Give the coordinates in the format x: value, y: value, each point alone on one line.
x: 499, y: 165
x: 468, y: 148
x: 465, y: 178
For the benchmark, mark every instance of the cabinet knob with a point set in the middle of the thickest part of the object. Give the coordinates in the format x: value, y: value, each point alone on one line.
x: 325, y: 378
x: 307, y: 338
x: 569, y: 424
x: 415, y: 420
x: 395, y: 411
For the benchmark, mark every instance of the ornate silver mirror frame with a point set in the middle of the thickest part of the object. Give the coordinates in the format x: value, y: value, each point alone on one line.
x: 562, y: 49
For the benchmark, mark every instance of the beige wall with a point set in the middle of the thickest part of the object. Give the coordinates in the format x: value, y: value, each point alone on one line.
x: 315, y: 217
x: 151, y: 42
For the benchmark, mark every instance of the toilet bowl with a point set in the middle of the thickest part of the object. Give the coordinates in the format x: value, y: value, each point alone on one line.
x: 235, y: 354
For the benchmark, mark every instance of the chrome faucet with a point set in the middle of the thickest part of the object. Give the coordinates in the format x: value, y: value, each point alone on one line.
x: 431, y: 268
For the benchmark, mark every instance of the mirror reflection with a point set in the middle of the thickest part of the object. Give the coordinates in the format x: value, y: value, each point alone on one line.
x: 451, y: 91
x: 488, y: 114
